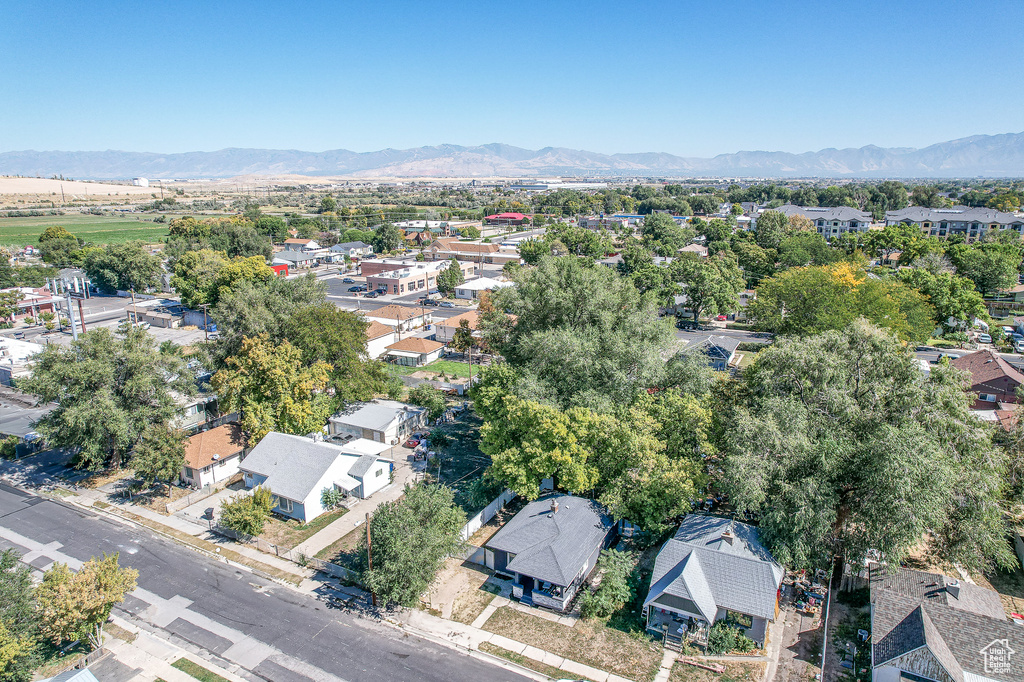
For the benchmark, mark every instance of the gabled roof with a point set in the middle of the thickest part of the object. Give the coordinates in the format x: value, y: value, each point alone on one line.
x: 416, y: 345
x: 297, y: 240
x: 394, y: 312
x: 223, y: 441
x: 954, y: 619
x: 470, y: 316
x: 349, y: 245
x: 985, y: 366
x: 553, y: 546
x: 842, y: 213
x: 375, y: 330
x: 293, y: 256
x: 294, y: 465
x: 715, y: 347
x: 716, y: 563
x: 376, y: 415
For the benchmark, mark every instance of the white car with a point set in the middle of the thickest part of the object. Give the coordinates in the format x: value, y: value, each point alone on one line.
x: 984, y: 338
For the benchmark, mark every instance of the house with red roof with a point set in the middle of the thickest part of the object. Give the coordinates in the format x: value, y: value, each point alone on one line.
x: 993, y: 379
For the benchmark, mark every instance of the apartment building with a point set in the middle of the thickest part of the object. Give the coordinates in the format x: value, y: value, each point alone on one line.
x: 830, y: 221
x: 970, y: 222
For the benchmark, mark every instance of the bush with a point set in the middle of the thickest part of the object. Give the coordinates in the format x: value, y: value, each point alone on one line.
x: 9, y: 447
x: 616, y: 588
x: 854, y: 598
x: 721, y: 639
x: 438, y: 438
x: 248, y: 514
x: 330, y: 498
x: 429, y: 397
x: 744, y: 645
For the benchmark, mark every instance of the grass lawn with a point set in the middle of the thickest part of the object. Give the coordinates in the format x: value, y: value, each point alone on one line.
x: 734, y: 672
x: 459, y: 369
x: 197, y: 671
x: 590, y: 642
x: 543, y: 668
x: 289, y: 533
x: 343, y: 550
x: 941, y: 343
x: 746, y: 359
x: 97, y: 229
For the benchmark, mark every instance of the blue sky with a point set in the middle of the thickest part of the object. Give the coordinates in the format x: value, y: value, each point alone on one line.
x: 689, y: 78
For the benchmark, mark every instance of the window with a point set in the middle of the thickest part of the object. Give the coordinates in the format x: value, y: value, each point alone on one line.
x: 379, y: 472
x: 189, y: 472
x: 987, y: 397
x: 284, y: 504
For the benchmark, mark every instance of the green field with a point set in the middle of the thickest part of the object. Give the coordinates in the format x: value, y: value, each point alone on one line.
x: 92, y: 228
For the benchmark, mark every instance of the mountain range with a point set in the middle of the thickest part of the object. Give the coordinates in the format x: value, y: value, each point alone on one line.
x: 979, y: 155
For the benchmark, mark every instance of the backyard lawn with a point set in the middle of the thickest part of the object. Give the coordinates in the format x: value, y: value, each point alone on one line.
x: 459, y: 369
x: 462, y: 464
x: 97, y: 229
x: 290, y: 533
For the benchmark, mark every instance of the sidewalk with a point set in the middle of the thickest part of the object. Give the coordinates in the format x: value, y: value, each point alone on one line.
x: 356, y: 515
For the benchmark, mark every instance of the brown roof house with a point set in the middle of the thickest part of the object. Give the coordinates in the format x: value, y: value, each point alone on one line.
x: 378, y: 338
x: 414, y: 352
x: 212, y: 456
x: 403, y: 318
x: 927, y: 626
x: 992, y: 378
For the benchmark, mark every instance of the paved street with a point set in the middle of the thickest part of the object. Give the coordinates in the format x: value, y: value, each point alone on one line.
x: 270, y: 632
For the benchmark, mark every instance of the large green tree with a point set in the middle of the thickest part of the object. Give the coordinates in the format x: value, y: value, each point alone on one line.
x: 711, y: 285
x: 75, y: 606
x: 195, y: 275
x: 108, y: 392
x: 387, y: 238
x: 450, y: 277
x: 772, y: 228
x: 19, y: 619
x: 842, y: 446
x: 410, y: 539
x: 160, y: 454
x: 124, y: 267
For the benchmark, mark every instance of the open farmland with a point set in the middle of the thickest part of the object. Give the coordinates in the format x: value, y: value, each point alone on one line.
x: 92, y: 228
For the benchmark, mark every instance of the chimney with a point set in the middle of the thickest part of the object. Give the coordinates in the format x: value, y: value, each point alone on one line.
x: 728, y: 536
x: 554, y: 506
x: 954, y: 589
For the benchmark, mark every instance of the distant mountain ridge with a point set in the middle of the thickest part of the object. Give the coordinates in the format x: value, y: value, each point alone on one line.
x: 979, y: 155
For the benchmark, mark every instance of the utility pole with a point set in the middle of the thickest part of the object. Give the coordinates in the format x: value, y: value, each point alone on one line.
x: 71, y: 318
x: 81, y: 319
x: 369, y: 556
x: 206, y: 321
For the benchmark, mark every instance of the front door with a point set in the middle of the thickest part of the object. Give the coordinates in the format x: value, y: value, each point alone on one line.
x: 527, y: 583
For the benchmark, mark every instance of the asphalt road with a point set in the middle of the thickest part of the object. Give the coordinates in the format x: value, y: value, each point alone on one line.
x: 273, y: 632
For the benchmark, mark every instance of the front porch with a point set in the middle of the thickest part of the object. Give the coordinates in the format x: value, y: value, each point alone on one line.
x: 676, y: 628
x: 532, y: 592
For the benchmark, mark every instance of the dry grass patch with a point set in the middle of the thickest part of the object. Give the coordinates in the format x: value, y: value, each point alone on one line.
x: 102, y: 478
x: 590, y: 642
x: 472, y: 602
x: 543, y: 668
x: 115, y: 630
x: 734, y: 672
x: 1009, y: 585
x: 289, y: 533
x: 343, y: 550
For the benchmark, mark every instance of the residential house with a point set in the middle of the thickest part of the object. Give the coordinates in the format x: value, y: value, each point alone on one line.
x: 611, y: 261
x: 930, y: 627
x: 507, y: 218
x: 720, y: 350
x: 972, y: 223
x: 1012, y: 295
x: 991, y: 377
x: 414, y: 351
x: 830, y: 221
x: 713, y: 569
x: 698, y: 249
x: 445, y: 329
x: 213, y: 456
x: 891, y: 259
x: 295, y: 260
x: 744, y: 299
x: 378, y: 338
x: 297, y: 469
x: 19, y: 413
x: 383, y: 421
x: 194, y: 411
x: 474, y: 251
x: 74, y: 675
x: 471, y: 289
x: 550, y: 547
x: 352, y: 249
x: 613, y: 223
x: 303, y: 245
x: 400, y: 317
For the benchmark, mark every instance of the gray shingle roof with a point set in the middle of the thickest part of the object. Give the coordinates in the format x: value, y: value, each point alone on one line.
x: 955, y: 214
x: 553, y: 547
x: 293, y: 465
x: 362, y: 465
x: 715, y: 347
x: 698, y: 564
x: 349, y: 245
x: 19, y: 421
x: 911, y: 609
x: 294, y: 256
x: 842, y: 213
x: 376, y: 415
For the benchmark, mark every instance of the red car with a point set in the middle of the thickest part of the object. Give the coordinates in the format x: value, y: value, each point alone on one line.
x: 412, y: 442
x: 721, y: 318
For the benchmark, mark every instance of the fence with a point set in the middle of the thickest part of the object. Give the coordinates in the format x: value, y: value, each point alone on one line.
x: 486, y: 514
x: 289, y: 554
x: 190, y: 499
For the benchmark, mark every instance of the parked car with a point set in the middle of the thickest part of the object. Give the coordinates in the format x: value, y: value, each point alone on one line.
x: 412, y: 442
x: 721, y: 318
x: 348, y: 280
x: 380, y: 291
x: 1010, y: 330
x: 984, y: 338
x: 355, y: 288
x: 427, y: 301
x: 446, y: 304
x: 1017, y: 337
x: 372, y: 294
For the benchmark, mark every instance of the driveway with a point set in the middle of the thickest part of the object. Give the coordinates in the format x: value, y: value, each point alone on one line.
x: 197, y: 512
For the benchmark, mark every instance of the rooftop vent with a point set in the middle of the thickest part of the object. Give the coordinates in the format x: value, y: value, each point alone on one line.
x: 554, y: 506
x: 954, y: 589
x: 216, y: 456
x: 728, y: 536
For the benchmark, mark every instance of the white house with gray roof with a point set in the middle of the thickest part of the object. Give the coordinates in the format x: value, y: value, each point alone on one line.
x: 385, y: 421
x: 713, y: 569
x: 550, y: 547
x: 296, y: 469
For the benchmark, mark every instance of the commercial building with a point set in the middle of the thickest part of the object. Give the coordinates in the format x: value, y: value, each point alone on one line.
x: 412, y: 276
x: 447, y: 248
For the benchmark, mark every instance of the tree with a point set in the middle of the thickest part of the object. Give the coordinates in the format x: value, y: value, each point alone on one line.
x: 806, y: 248
x: 711, y: 285
x: 55, y: 232
x: 108, y: 391
x: 842, y: 446
x: 328, y: 204
x: 772, y: 228
x: 892, y: 238
x: 531, y: 250
x: 19, y: 619
x: 61, y: 253
x: 272, y: 226
x: 991, y: 267
x: 9, y: 304
x: 195, y: 276
x: 450, y: 277
x: 470, y: 232
x: 160, y: 454
x: 74, y: 606
x: 663, y: 235
x: 272, y: 389
x: 429, y: 397
x: 325, y: 333
x: 387, y: 238
x: 956, y: 300
x: 616, y: 588
x: 123, y: 267
x: 248, y: 514
x: 463, y: 339
x: 411, y: 537
x: 240, y: 268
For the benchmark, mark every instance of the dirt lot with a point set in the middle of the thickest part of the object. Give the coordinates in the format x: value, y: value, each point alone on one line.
x: 800, y: 646
x: 343, y: 550
x: 289, y: 533
x: 734, y: 672
x: 458, y: 591
x: 590, y: 642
